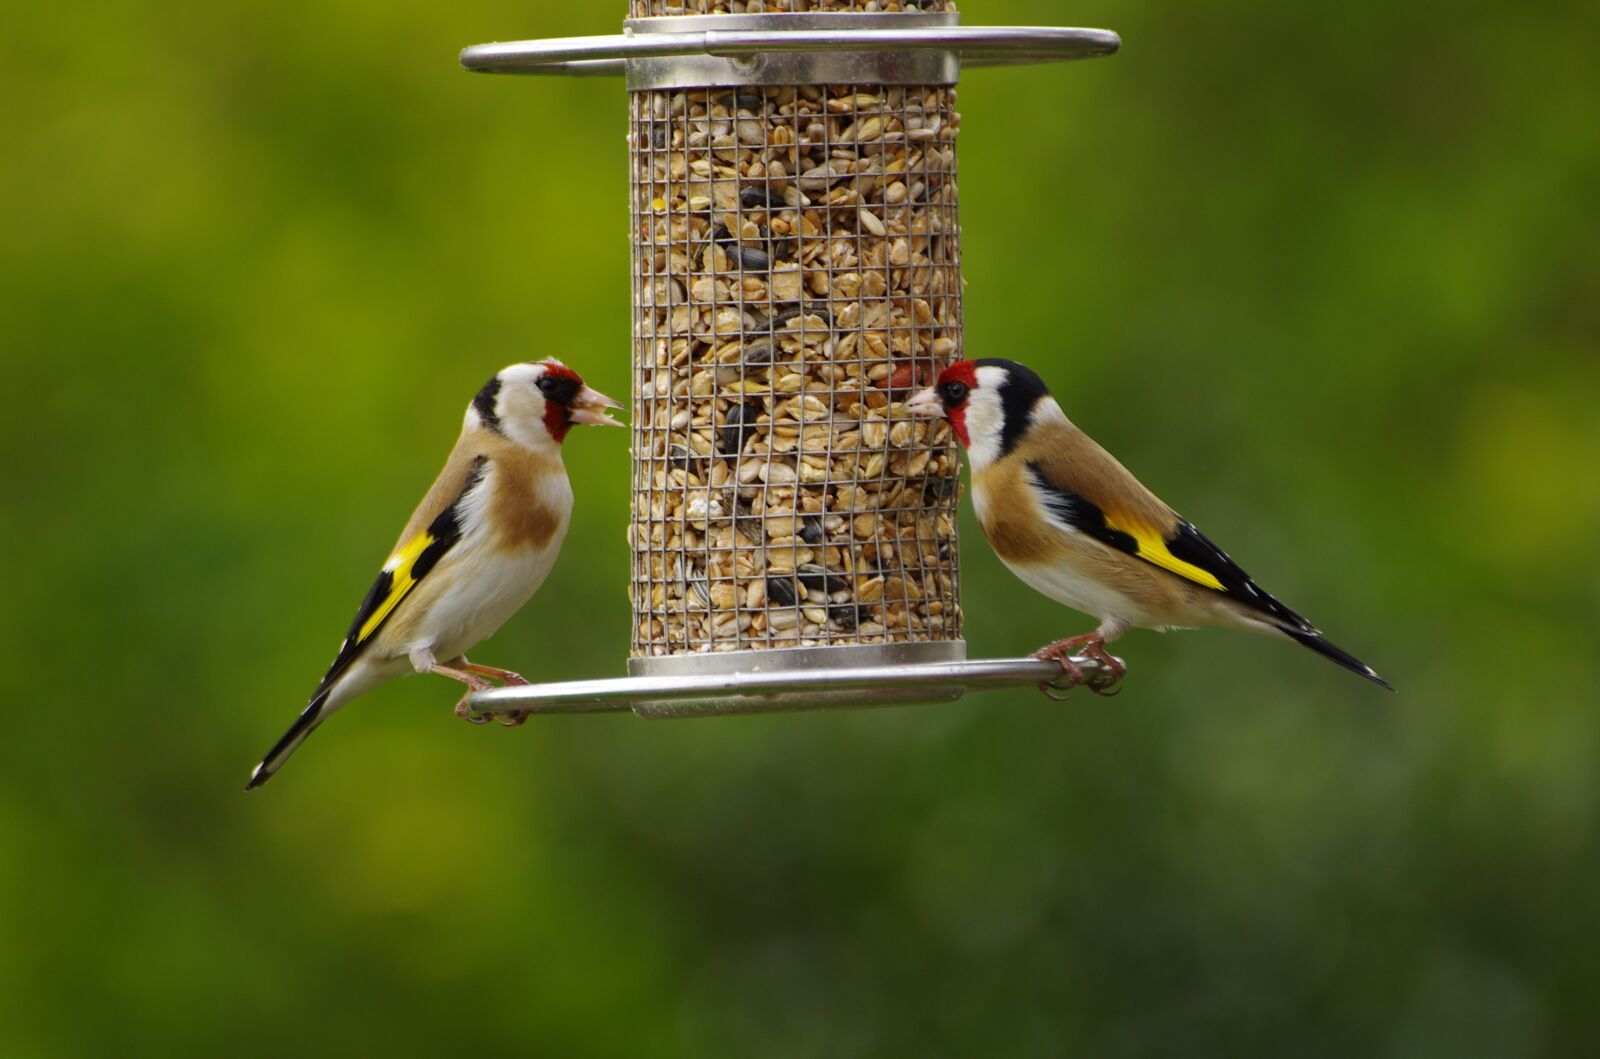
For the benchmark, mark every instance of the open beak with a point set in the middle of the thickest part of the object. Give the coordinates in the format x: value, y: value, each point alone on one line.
x: 925, y: 403
x: 589, y: 408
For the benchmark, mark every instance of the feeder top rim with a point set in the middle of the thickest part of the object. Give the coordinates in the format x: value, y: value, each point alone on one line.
x: 753, y: 35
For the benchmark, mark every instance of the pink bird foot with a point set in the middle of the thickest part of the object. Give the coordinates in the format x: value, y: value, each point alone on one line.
x: 1091, y: 645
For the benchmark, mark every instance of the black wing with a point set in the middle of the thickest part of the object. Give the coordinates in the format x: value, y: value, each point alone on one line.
x: 406, y: 568
x: 1185, y: 552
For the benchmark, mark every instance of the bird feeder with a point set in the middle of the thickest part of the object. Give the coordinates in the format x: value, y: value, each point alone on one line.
x: 796, y: 276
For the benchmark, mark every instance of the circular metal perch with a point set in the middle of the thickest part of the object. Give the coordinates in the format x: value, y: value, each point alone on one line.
x: 780, y: 691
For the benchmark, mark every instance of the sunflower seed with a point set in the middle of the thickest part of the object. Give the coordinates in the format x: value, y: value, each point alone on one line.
x: 753, y: 258
x: 781, y: 591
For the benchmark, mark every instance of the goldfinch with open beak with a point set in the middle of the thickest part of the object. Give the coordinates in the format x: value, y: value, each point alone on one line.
x: 1070, y: 520
x: 477, y: 547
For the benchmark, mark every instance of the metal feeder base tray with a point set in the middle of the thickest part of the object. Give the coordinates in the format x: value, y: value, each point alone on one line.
x: 781, y: 690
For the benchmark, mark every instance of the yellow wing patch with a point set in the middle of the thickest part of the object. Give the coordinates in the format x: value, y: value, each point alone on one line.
x: 401, y: 582
x: 1153, y: 550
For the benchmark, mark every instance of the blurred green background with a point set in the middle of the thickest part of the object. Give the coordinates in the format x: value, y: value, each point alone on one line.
x: 1324, y: 275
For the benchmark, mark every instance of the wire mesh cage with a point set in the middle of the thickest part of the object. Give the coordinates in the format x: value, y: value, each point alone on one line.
x: 796, y: 277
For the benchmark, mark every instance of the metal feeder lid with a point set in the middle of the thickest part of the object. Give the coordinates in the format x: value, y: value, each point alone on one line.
x: 833, y: 48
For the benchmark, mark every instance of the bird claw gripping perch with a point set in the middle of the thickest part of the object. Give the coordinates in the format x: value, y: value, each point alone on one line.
x: 1103, y: 681
x: 1106, y: 672
x: 509, y: 719
x: 508, y: 678
x: 464, y: 711
x: 1107, y: 682
x: 1057, y: 690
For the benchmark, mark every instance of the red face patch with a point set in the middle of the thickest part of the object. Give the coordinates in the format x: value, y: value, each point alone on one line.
x: 963, y: 373
x: 552, y: 370
x: 556, y: 412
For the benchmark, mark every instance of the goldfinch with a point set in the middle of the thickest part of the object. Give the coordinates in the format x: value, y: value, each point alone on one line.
x: 1073, y: 523
x: 476, y: 548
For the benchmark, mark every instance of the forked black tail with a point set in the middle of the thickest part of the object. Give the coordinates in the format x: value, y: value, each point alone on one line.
x: 1315, y: 641
x: 303, y: 726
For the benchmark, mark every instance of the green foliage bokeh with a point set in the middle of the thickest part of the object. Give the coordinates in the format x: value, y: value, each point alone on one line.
x: 1324, y: 275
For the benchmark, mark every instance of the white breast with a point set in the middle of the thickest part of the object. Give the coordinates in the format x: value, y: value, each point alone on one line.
x: 487, y: 582
x: 1062, y: 583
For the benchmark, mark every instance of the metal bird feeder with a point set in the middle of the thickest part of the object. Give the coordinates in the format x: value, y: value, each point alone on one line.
x: 796, y: 275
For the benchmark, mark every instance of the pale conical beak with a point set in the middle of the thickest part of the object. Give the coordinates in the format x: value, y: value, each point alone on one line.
x: 925, y: 403
x: 589, y: 408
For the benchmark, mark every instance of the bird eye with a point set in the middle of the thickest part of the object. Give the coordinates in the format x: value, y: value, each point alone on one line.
x: 954, y: 392
x: 559, y: 389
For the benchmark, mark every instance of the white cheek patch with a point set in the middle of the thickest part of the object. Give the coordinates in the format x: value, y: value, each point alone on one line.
x: 985, y: 417
x: 525, y: 423
x: 984, y: 420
